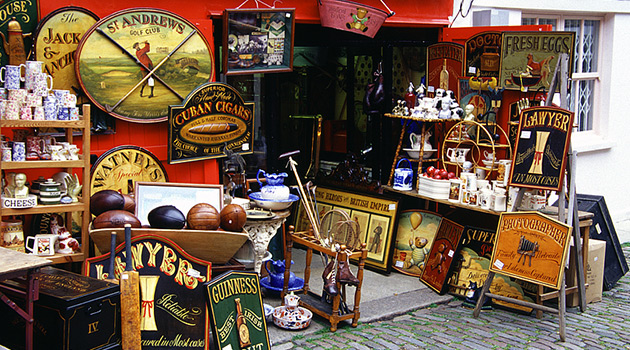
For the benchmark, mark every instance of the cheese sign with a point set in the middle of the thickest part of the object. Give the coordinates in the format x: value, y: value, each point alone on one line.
x: 235, y: 305
x: 173, y: 312
x: 532, y: 247
x: 212, y: 120
x: 541, y: 148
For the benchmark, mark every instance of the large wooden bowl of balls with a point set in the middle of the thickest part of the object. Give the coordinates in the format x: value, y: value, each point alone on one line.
x: 204, y: 232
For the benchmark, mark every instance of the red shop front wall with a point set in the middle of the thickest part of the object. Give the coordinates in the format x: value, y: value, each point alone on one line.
x: 154, y: 137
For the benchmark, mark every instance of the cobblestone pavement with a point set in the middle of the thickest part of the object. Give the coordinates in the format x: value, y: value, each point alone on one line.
x: 603, y: 325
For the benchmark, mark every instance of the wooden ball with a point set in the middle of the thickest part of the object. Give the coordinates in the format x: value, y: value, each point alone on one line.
x: 233, y: 218
x: 203, y: 216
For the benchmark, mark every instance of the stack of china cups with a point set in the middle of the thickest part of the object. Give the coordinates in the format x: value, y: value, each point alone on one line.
x: 27, y: 95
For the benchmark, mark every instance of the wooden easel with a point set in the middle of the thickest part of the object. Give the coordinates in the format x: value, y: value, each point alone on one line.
x: 560, y: 74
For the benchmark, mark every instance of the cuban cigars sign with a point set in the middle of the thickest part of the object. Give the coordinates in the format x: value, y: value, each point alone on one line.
x: 439, y: 55
x: 236, y: 308
x: 442, y: 255
x: 532, y: 247
x: 213, y: 118
x: 173, y: 310
x: 541, y: 147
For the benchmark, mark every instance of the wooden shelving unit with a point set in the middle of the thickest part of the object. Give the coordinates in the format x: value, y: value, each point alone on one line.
x: 312, y: 301
x: 83, y: 125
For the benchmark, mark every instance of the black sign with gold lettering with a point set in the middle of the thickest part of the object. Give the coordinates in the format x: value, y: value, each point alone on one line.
x: 213, y: 118
x: 16, y: 39
x: 173, y: 311
x: 235, y: 305
x: 541, y: 147
x: 482, y: 54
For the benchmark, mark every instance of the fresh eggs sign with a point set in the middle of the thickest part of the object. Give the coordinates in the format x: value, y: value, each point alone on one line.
x: 213, y: 119
x: 173, y: 313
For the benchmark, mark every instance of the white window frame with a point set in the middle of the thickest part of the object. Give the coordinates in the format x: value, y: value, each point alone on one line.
x: 592, y: 139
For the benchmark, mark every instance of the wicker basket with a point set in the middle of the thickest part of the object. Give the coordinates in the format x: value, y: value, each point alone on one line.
x: 352, y: 16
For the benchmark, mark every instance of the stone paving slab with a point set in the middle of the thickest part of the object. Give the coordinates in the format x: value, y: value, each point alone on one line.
x: 448, y: 325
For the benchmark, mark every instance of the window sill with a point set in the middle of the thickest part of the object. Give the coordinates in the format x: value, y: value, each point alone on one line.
x: 588, y: 141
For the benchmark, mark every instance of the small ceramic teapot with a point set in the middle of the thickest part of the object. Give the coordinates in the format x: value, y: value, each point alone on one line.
x: 275, y: 188
x: 276, y: 277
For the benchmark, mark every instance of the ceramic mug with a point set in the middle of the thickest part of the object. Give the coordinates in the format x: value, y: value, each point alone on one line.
x: 26, y: 113
x: 19, y: 151
x: 69, y: 100
x: 42, y: 244
x: 32, y: 69
x: 12, y: 110
x: 6, y: 154
x: 3, y: 107
x: 33, y: 100
x: 51, y: 109
x: 41, y: 86
x: 12, y: 76
x: 34, y: 144
x: 38, y: 113
x: 499, y: 202
x: 56, y: 152
x: 3, y: 94
x: 63, y: 113
x: 74, y: 113
x: 17, y: 95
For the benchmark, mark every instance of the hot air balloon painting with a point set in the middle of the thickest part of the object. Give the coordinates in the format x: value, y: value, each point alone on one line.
x: 416, y: 232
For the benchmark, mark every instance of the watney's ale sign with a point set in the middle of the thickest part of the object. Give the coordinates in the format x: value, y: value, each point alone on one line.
x: 212, y: 119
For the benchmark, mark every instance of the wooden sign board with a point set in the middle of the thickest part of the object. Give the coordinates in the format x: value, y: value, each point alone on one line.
x: 541, y: 148
x: 441, y: 259
x: 173, y: 311
x: 474, y: 267
x: 213, y: 119
x: 528, y: 59
x: 26, y: 13
x: 442, y: 57
x: 414, y: 239
x: 376, y: 217
x: 482, y: 55
x: 238, y: 317
x: 56, y: 41
x: 532, y: 247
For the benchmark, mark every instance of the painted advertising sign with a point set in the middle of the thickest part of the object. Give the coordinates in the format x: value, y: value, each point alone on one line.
x: 445, y: 62
x: 482, y: 55
x: 238, y: 318
x: 541, y: 147
x: 213, y: 118
x: 56, y: 41
x: 441, y: 258
x: 414, y: 239
x: 137, y: 62
x: 473, y: 268
x: 532, y: 247
x: 16, y: 44
x: 173, y: 311
x: 528, y: 59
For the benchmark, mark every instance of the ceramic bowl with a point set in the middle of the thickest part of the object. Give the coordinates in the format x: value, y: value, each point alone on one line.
x: 415, y: 153
x: 490, y: 163
x: 292, y: 318
x: 272, y: 204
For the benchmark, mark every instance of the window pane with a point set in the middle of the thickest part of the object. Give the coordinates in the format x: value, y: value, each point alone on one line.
x: 584, y: 101
x: 573, y: 25
x: 552, y: 21
x: 528, y: 21
x: 590, y: 46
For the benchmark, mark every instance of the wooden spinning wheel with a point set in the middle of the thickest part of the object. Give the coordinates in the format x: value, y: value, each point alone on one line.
x: 338, y: 228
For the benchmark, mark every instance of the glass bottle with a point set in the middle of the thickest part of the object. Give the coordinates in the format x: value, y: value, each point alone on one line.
x: 444, y: 76
x: 241, y: 325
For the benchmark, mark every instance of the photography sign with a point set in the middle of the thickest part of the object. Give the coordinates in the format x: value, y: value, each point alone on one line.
x: 213, y: 118
x: 541, y: 146
x: 235, y: 305
x: 532, y: 247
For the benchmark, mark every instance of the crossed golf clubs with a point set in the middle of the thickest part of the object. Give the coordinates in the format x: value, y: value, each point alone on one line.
x: 151, y: 72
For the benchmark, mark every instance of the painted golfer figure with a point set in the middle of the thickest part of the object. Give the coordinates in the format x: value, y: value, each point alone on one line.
x: 141, y: 53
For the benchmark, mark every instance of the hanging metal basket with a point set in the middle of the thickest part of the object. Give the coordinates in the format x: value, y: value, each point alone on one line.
x: 352, y: 16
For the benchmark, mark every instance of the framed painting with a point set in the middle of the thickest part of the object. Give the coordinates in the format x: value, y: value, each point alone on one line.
x: 414, y: 238
x: 376, y: 217
x: 136, y: 62
x: 258, y: 40
x: 183, y: 196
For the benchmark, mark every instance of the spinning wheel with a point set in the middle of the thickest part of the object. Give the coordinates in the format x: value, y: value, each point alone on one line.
x: 337, y: 227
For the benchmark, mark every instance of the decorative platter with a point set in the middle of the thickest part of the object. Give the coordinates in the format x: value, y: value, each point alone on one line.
x: 137, y: 62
